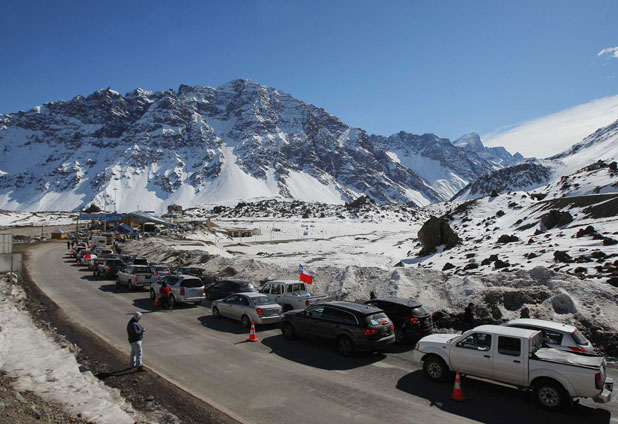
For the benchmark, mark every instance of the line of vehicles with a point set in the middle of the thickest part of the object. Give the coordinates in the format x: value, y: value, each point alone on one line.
x: 554, y: 361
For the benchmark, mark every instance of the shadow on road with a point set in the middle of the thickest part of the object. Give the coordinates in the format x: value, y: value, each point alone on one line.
x: 491, y: 403
x: 109, y: 288
x: 318, y: 353
x: 223, y: 324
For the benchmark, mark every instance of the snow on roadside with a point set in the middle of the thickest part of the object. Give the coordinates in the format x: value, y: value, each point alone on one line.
x: 50, y: 371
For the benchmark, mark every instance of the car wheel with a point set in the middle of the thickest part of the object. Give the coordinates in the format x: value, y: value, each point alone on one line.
x: 130, y: 285
x: 288, y: 331
x: 345, y: 346
x: 153, y: 296
x: 400, y: 336
x: 245, y: 321
x: 216, y: 313
x: 287, y: 308
x: 549, y: 394
x: 435, y: 369
x: 172, y: 301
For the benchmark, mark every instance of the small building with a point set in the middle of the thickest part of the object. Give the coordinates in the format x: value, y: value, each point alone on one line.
x: 174, y: 209
x: 238, y: 232
x: 59, y: 234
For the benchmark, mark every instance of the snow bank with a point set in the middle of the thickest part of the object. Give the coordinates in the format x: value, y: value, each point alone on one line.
x: 50, y: 371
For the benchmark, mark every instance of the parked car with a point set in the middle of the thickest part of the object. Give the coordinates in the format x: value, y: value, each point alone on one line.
x: 225, y: 288
x: 160, y: 270
x: 556, y: 335
x: 247, y: 308
x: 109, y: 269
x: 134, y: 276
x: 188, y: 270
x: 139, y: 261
x: 184, y: 289
x: 515, y: 356
x: 127, y: 259
x: 411, y: 320
x: 352, y: 326
x: 291, y: 294
x: 94, y: 264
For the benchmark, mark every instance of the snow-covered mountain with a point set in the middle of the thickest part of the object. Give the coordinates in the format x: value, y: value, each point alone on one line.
x: 204, y: 145
x: 498, y: 156
x: 602, y: 145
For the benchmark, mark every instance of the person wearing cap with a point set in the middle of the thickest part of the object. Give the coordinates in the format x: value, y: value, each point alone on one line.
x: 136, y: 334
x: 524, y: 312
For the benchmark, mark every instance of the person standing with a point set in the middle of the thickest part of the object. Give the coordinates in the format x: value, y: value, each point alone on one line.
x: 524, y: 312
x: 468, y: 318
x: 164, y: 294
x: 136, y: 333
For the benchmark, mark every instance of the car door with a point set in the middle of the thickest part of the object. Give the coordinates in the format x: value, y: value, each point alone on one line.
x: 335, y: 321
x: 226, y: 306
x: 307, y: 321
x: 508, y: 361
x: 473, y: 355
x: 277, y: 292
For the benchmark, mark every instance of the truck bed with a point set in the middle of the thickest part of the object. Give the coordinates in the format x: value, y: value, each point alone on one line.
x: 568, y: 358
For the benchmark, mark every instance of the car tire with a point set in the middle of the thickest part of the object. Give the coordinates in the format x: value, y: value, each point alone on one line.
x: 245, y: 321
x: 288, y: 331
x: 216, y: 313
x: 153, y: 296
x: 550, y: 395
x: 435, y: 369
x: 172, y: 301
x: 345, y: 345
x: 130, y: 285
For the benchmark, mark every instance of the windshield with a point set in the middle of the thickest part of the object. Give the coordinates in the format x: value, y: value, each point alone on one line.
x: 115, y: 262
x: 192, y: 282
x: 161, y: 268
x: 261, y: 300
x: 378, y: 319
x: 244, y: 286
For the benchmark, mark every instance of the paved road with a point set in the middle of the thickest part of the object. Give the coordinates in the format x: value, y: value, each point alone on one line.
x: 277, y: 381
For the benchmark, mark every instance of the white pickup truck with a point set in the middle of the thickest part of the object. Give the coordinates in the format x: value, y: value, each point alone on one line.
x: 515, y: 356
x: 291, y: 294
x: 136, y: 276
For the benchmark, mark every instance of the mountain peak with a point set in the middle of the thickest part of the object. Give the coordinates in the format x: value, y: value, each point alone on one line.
x: 470, y: 141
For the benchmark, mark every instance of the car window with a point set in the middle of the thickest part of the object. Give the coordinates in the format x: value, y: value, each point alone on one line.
x: 420, y: 312
x: 579, y: 338
x: 265, y: 289
x: 243, y: 300
x: 379, y: 318
x: 476, y: 341
x: 552, y: 337
x: 276, y: 289
x: 231, y: 299
x: 244, y: 286
x: 170, y: 279
x: 297, y: 287
x: 142, y: 270
x: 260, y: 300
x: 191, y: 282
x: 336, y: 314
x: 315, y: 312
x: 509, y: 346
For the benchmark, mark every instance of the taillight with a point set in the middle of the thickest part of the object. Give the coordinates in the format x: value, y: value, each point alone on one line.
x: 109, y: 268
x: 597, y: 380
x: 577, y: 349
x: 204, y: 290
x: 414, y: 320
x: 306, y: 303
x: 369, y: 331
x: 392, y: 326
x: 136, y: 278
x: 182, y: 290
x: 259, y: 311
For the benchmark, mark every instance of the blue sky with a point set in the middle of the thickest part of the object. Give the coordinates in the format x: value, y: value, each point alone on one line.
x: 447, y: 67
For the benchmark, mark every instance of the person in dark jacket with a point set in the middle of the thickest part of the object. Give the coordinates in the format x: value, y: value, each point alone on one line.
x: 136, y: 333
x: 524, y: 312
x: 468, y: 318
x: 164, y: 294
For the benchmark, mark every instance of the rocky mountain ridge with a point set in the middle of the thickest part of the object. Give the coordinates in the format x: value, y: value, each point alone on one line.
x: 204, y: 145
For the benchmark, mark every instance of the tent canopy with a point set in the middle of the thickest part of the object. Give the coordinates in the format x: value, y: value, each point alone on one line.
x: 124, y: 228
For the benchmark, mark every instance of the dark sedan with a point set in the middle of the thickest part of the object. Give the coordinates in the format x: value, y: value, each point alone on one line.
x: 351, y: 325
x: 411, y: 320
x: 225, y: 288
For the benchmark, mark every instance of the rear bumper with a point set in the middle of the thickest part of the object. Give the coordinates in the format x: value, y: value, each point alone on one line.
x: 380, y: 344
x: 268, y: 320
x: 606, y: 395
x: 192, y: 299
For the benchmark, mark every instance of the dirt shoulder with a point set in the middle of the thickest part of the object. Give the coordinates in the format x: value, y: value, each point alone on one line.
x: 149, y: 393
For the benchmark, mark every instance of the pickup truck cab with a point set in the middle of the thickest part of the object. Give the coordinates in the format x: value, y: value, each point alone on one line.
x: 515, y: 356
x: 291, y: 294
x: 136, y: 276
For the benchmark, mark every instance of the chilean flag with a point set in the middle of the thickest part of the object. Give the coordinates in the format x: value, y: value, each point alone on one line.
x: 306, y: 276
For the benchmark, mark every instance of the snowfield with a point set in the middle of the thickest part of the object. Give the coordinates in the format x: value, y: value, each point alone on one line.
x: 50, y: 370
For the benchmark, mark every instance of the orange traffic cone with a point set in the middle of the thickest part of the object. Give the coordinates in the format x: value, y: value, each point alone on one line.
x: 156, y: 301
x: 252, y: 336
x: 457, y: 392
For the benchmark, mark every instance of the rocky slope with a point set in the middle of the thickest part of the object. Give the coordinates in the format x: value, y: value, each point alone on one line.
x: 204, y: 145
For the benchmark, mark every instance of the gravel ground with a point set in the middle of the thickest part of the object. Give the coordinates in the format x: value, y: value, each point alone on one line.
x: 158, y: 400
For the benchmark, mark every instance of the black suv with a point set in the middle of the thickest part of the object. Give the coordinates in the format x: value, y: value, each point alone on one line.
x: 351, y: 325
x: 109, y: 268
x: 224, y: 288
x: 411, y: 320
x: 188, y: 270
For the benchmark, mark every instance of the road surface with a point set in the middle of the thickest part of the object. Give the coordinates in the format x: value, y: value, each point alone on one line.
x: 275, y: 380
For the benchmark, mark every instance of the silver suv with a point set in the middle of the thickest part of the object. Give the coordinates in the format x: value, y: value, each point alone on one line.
x: 184, y: 289
x: 556, y: 335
